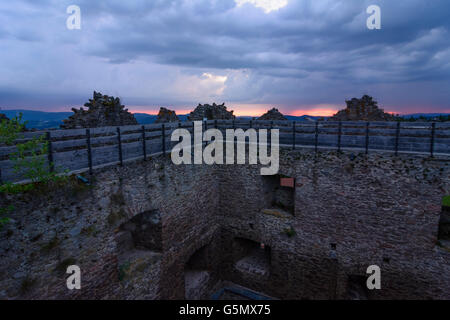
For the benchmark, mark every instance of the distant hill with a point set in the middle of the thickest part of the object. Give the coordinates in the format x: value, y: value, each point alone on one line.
x: 424, y: 115
x: 291, y: 118
x: 39, y: 119
x: 52, y: 120
x: 145, y: 118
x: 304, y: 118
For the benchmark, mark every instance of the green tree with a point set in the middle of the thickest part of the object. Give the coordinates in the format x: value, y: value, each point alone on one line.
x: 29, y: 161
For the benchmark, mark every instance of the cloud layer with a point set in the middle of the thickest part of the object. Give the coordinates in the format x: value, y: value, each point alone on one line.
x: 298, y: 55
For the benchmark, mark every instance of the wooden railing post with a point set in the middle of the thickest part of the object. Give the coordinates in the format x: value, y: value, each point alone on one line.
x: 120, y: 146
x: 293, y: 135
x: 397, y: 137
x: 316, y: 138
x: 89, y: 150
x: 367, y: 137
x: 49, y: 151
x: 144, y: 144
x: 204, y: 130
x: 193, y: 138
x: 339, y: 136
x: 163, y: 132
x: 179, y: 127
x: 433, y: 135
x: 270, y: 133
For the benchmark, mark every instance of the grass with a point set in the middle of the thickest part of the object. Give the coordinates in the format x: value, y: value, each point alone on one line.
x: 290, y: 232
x: 77, y: 188
x: 123, y: 269
x: 446, y: 201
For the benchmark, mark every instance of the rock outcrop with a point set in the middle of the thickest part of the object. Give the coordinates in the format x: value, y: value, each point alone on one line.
x: 102, y: 111
x: 24, y: 128
x: 362, y: 109
x: 166, y: 115
x: 211, y: 112
x: 3, y: 117
x: 272, y: 114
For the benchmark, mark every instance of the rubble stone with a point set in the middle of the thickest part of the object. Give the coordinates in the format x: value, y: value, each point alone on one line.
x: 166, y: 115
x: 211, y: 112
x: 362, y: 109
x: 102, y: 111
x: 272, y: 114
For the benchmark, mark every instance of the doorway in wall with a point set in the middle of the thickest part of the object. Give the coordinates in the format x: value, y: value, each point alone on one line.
x: 279, y: 193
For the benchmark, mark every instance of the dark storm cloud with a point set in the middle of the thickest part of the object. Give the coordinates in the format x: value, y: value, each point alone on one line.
x: 309, y: 52
x: 208, y: 35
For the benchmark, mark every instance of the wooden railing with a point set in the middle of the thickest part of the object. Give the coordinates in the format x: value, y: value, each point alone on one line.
x: 85, y: 149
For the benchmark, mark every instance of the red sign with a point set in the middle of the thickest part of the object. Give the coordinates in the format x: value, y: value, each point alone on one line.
x: 287, y: 182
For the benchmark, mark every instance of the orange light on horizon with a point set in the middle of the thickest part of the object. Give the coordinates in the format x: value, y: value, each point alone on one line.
x: 315, y: 112
x: 257, y: 110
x: 248, y: 110
x: 155, y: 110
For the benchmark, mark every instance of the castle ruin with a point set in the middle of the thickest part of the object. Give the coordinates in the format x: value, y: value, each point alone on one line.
x: 154, y: 230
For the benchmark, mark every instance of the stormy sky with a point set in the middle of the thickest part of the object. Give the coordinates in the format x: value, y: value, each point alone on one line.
x: 301, y: 56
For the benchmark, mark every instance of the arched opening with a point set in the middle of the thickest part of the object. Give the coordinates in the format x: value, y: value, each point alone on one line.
x: 197, y: 275
x: 139, y: 245
x: 143, y: 231
x: 252, y: 257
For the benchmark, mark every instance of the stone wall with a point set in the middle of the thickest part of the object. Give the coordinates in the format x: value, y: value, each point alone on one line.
x: 141, y: 230
x: 86, y: 226
x: 380, y: 209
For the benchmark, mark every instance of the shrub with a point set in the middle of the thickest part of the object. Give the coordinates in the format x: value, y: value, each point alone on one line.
x: 28, y: 161
x: 123, y: 269
x: 290, y: 232
x: 446, y: 201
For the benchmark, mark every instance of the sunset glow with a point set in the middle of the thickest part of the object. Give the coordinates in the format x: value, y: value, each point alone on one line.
x: 249, y: 110
x: 318, y: 111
